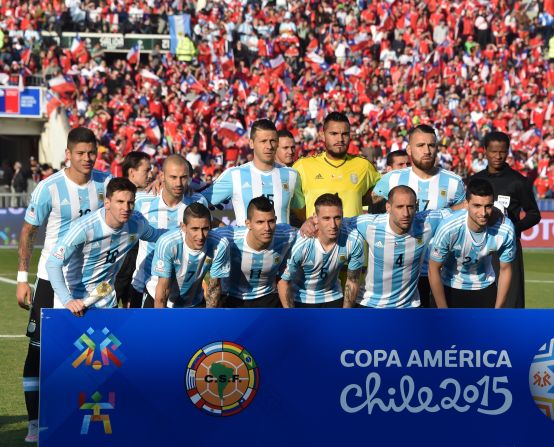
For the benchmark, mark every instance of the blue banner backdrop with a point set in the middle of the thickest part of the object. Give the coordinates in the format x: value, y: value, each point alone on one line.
x: 278, y: 377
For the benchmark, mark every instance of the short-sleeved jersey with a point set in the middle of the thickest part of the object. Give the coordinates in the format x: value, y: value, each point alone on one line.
x: 243, y: 183
x: 313, y: 272
x: 186, y: 267
x: 160, y: 216
x: 253, y: 273
x: 92, y: 252
x: 61, y: 201
x: 351, y: 178
x: 466, y: 256
x: 394, y: 260
x: 442, y: 190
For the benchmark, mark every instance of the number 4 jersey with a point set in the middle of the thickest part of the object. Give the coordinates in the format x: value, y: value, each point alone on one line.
x: 62, y: 201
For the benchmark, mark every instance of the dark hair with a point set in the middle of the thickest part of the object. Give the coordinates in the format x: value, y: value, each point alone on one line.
x: 132, y: 161
x: 496, y: 136
x: 261, y: 203
x: 479, y: 187
x: 261, y: 124
x: 392, y: 155
x: 284, y: 133
x: 401, y: 188
x: 328, y: 199
x: 424, y: 128
x: 120, y: 184
x: 196, y: 211
x: 80, y: 135
x: 336, y: 117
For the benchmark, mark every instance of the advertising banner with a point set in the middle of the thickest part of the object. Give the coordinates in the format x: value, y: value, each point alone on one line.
x: 300, y: 377
x: 25, y: 103
x: 542, y: 234
x: 11, y: 222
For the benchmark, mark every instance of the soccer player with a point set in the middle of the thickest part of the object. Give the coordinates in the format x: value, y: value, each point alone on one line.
x: 259, y: 252
x: 435, y: 187
x: 92, y: 251
x: 59, y: 200
x: 311, y: 276
x: 460, y: 269
x: 286, y: 148
x: 136, y: 167
x: 514, y: 193
x: 183, y: 257
x: 397, y: 160
x: 163, y: 211
x: 335, y: 171
x: 259, y: 177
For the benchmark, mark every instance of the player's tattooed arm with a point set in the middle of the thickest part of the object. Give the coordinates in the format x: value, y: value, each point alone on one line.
x: 351, y: 287
x: 162, y: 293
x: 374, y: 198
x: 285, y: 293
x: 213, y: 292
x: 26, y: 244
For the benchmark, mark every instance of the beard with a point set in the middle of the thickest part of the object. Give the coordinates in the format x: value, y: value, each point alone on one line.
x: 424, y: 165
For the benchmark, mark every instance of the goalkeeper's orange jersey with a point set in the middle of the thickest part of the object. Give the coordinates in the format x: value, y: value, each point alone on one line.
x: 351, y: 178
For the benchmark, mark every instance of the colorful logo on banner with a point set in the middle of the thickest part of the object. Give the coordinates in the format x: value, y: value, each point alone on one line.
x: 541, y: 379
x: 96, y: 406
x: 222, y: 378
x: 87, y: 347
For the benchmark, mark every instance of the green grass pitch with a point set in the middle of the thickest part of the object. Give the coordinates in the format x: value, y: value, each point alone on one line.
x: 539, y: 277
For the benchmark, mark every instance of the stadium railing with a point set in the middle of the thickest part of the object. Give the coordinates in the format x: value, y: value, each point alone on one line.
x: 14, y: 200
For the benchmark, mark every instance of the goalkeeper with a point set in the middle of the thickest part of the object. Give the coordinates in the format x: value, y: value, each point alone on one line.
x: 83, y: 264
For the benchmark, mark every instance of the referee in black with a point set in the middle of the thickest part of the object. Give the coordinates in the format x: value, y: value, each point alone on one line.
x: 515, y: 193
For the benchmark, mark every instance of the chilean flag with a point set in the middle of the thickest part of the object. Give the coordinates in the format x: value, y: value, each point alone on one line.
x: 62, y: 84
x: 52, y: 102
x: 232, y: 131
x: 133, y: 56
x: 359, y: 42
x: 277, y: 65
x: 79, y: 50
x: 317, y: 62
x: 194, y: 84
x: 149, y: 76
x: 153, y: 132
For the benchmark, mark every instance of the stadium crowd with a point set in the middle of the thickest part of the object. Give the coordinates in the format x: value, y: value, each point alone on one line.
x: 467, y: 67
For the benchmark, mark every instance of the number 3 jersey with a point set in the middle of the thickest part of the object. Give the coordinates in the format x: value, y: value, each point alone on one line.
x: 253, y: 273
x: 466, y: 255
x: 394, y: 260
x: 61, y: 201
x: 91, y: 253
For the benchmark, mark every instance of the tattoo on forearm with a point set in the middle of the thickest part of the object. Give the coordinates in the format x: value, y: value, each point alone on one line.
x: 213, y: 293
x: 290, y: 298
x: 26, y: 244
x: 348, y: 293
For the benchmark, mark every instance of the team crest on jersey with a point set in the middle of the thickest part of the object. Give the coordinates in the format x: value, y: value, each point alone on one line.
x: 354, y: 178
x: 443, y: 192
x: 159, y: 266
x: 285, y: 186
x: 60, y: 253
x: 208, y: 260
x: 419, y: 240
x: 342, y: 258
x: 133, y: 238
x: 100, y: 196
x: 276, y: 259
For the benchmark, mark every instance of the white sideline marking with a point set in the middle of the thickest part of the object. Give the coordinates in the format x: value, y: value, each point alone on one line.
x: 12, y: 336
x: 539, y: 281
x: 13, y: 281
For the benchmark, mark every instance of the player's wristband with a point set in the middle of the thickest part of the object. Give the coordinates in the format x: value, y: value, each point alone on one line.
x: 22, y: 276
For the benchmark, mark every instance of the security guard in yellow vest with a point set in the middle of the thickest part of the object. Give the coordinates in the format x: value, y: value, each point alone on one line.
x: 186, y: 50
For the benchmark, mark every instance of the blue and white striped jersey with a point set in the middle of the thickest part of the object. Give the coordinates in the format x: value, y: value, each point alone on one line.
x: 394, y: 262
x: 253, y: 273
x: 92, y: 252
x: 159, y: 216
x: 60, y: 201
x: 466, y: 256
x: 442, y: 190
x: 313, y: 272
x: 174, y: 259
x: 243, y: 183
